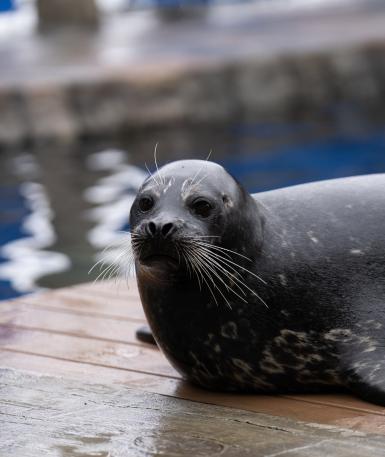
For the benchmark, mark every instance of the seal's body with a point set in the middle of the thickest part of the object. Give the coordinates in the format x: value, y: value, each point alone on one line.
x: 282, y: 291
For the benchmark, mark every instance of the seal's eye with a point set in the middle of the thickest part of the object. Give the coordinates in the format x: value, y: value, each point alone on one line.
x: 201, y: 207
x: 145, y: 204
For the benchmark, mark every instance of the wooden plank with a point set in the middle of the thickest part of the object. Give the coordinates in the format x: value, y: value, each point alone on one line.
x: 46, y: 365
x: 23, y: 317
x: 119, y: 287
x: 124, y: 332
x: 87, y: 304
x: 26, y: 316
x: 56, y: 417
x: 342, y: 401
x: 91, y: 351
x: 88, y: 325
x: 273, y: 405
x: 52, y: 332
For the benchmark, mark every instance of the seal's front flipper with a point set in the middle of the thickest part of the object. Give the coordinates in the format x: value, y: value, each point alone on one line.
x: 144, y: 334
x: 366, y: 376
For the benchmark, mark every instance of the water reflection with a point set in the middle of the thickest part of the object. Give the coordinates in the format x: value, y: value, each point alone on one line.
x: 112, y: 196
x: 25, y: 232
x: 25, y: 259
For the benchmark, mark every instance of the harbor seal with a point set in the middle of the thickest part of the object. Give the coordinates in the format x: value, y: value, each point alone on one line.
x: 281, y: 291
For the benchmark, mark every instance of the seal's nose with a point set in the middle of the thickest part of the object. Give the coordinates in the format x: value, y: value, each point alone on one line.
x: 156, y: 228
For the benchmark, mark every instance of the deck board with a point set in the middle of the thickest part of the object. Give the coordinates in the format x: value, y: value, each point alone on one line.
x: 81, y: 301
x: 58, y: 321
x: 87, y: 332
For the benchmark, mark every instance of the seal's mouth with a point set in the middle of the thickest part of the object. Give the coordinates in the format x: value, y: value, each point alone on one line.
x: 160, y: 260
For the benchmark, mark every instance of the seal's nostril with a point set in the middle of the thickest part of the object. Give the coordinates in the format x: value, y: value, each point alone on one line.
x: 154, y: 229
x: 167, y: 229
x: 151, y: 228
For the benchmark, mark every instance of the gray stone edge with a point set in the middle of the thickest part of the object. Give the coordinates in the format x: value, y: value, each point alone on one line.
x: 321, y: 86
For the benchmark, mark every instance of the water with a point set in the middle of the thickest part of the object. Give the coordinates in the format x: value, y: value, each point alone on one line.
x: 60, y: 206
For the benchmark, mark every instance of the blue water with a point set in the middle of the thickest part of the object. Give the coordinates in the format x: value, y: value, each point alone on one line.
x: 6, y: 5
x: 327, y: 159
x: 34, y: 249
x: 13, y: 211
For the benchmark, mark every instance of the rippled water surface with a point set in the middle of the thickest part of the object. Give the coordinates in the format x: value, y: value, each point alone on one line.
x: 61, y: 206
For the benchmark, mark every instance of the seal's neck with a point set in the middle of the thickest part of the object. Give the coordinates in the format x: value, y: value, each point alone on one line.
x: 243, y: 232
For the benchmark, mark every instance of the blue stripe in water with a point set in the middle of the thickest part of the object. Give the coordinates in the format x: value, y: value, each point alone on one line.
x: 328, y: 159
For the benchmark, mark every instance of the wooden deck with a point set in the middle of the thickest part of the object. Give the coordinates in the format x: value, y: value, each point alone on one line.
x: 82, y: 339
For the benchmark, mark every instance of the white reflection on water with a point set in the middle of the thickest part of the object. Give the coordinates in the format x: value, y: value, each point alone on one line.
x: 113, y: 196
x: 27, y: 259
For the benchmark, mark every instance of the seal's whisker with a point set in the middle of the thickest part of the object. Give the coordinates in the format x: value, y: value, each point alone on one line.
x: 234, y: 277
x: 113, y: 268
x: 156, y: 165
x: 209, y: 247
x: 129, y: 266
x: 211, y: 256
x: 151, y: 175
x: 216, y: 274
x: 199, y: 171
x: 226, y: 272
x: 209, y: 155
x: 118, y: 243
x: 203, y: 257
x: 191, y: 269
x: 207, y: 269
x: 221, y: 248
x: 214, y: 285
x: 200, y: 268
x: 195, y: 176
x: 199, y: 272
x: 121, y: 262
x: 102, y: 261
x: 193, y: 237
x: 178, y: 252
x: 204, y: 246
x: 113, y: 271
x: 198, y: 182
x: 103, y: 273
x: 214, y: 271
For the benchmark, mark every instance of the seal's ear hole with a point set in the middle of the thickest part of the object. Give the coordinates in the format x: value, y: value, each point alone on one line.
x: 225, y: 199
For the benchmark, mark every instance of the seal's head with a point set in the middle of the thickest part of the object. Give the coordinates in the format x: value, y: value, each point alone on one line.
x: 190, y: 216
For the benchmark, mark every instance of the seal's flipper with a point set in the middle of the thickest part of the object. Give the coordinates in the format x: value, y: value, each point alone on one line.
x: 366, y: 377
x: 144, y: 334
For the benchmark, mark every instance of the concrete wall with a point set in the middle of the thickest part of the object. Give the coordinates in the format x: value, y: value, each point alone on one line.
x: 342, y: 87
